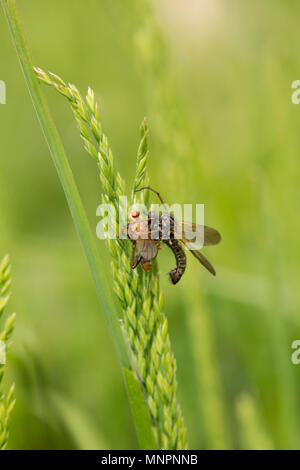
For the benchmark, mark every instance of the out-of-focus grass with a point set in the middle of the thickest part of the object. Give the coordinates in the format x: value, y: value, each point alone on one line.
x: 231, y: 81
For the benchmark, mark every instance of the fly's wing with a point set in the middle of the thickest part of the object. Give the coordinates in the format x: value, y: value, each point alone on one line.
x: 147, y: 249
x: 204, y: 261
x: 196, y: 234
x: 200, y: 257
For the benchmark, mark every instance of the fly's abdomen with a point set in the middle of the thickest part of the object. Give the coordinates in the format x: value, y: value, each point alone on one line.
x: 176, y: 273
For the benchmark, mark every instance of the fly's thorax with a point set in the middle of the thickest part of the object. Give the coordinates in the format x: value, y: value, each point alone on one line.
x: 153, y: 225
x: 131, y: 231
x: 167, y: 226
x: 138, y: 229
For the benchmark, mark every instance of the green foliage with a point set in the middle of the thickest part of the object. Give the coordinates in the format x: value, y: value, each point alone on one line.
x: 214, y: 82
x: 140, y: 412
x: 253, y: 434
x: 144, y: 324
x: 81, y: 427
x: 7, y: 401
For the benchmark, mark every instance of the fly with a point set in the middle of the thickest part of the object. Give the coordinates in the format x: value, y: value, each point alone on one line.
x: 147, y: 233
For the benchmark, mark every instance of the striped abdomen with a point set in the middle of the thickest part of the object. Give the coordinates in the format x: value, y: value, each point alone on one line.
x: 176, y: 273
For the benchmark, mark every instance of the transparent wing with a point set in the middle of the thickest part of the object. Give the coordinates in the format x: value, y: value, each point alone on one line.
x: 147, y: 249
x: 204, y: 261
x: 192, y: 232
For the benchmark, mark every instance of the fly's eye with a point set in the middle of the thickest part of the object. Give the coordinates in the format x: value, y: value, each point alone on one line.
x: 134, y: 214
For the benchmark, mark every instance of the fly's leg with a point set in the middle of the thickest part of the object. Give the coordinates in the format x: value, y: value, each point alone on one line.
x: 153, y: 190
x: 133, y: 253
x: 135, y: 263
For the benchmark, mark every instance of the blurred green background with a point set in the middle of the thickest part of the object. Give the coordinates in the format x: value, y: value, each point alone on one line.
x: 214, y: 80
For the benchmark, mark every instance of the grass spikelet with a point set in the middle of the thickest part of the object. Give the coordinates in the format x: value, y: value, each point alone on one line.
x: 144, y: 324
x: 7, y: 401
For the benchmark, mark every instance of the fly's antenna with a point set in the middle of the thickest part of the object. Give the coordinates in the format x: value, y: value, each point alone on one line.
x: 155, y: 192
